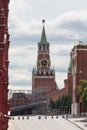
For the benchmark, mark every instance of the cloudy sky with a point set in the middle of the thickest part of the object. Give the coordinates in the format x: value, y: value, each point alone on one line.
x: 66, y: 23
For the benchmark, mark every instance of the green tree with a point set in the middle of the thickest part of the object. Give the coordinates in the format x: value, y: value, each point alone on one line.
x: 82, y: 91
x: 63, y: 101
x: 69, y: 100
x: 57, y: 104
x: 51, y: 104
x: 68, y: 103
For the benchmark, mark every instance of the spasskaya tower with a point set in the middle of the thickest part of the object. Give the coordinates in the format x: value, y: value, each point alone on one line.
x: 43, y: 75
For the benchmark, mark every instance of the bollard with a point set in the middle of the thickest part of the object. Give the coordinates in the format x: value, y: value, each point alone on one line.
x: 83, y: 114
x: 63, y: 116
x: 23, y: 117
x: 45, y: 117
x: 39, y: 117
x: 18, y: 118
x: 27, y: 117
x: 52, y: 117
x: 56, y: 116
x: 12, y: 118
x: 67, y: 116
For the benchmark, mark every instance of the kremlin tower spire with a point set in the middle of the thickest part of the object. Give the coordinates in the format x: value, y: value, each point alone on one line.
x: 43, y: 36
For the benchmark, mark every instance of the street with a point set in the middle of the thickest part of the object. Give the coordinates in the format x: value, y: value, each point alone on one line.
x: 33, y: 123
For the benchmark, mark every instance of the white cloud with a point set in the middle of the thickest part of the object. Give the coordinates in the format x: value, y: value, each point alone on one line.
x: 25, y: 29
x: 70, y: 25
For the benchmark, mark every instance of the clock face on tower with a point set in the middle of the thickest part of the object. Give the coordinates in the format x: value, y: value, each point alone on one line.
x: 44, y: 62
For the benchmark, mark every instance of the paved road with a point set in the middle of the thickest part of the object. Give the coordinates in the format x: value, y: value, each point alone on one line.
x: 33, y: 123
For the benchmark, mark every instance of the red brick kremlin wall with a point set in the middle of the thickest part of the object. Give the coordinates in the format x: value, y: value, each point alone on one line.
x: 77, y: 72
x: 4, y: 46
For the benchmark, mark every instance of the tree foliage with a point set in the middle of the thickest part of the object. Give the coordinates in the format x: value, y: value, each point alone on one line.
x: 82, y: 91
x: 64, y: 102
x: 52, y: 104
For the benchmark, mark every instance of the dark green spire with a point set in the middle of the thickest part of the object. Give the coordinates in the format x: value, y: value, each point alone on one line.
x: 70, y: 67
x: 43, y: 35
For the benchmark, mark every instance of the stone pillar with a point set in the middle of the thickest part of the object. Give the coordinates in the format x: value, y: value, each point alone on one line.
x: 75, y: 109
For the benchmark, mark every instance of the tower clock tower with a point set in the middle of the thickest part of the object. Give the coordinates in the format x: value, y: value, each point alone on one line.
x: 43, y: 76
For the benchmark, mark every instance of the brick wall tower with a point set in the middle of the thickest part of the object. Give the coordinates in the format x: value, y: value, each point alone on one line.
x: 4, y: 46
x: 79, y: 71
x: 43, y: 76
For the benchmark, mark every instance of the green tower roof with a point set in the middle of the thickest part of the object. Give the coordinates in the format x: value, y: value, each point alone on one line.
x: 70, y: 67
x: 43, y: 35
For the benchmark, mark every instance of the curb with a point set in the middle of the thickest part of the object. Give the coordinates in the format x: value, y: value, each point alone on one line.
x: 75, y: 124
